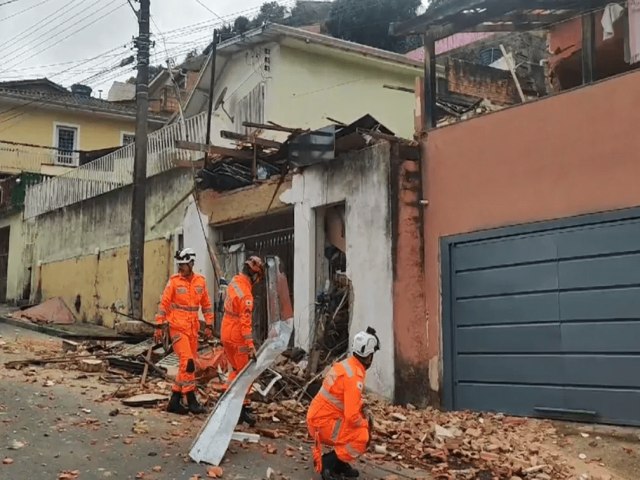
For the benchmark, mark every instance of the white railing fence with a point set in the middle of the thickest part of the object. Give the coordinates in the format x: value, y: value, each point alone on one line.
x: 16, y: 159
x: 115, y: 170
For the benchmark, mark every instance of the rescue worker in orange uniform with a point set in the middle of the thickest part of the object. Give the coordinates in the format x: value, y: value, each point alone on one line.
x: 237, y: 333
x: 336, y: 415
x: 185, y: 293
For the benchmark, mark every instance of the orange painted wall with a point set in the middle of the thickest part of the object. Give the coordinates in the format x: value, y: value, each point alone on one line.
x: 409, y: 315
x: 574, y: 153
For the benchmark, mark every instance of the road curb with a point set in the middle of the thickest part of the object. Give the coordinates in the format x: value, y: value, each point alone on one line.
x: 60, y: 333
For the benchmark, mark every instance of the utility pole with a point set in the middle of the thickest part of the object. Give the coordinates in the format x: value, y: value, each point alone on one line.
x: 136, y: 241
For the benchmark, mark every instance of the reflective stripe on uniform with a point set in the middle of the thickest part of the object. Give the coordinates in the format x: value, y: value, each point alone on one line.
x: 333, y: 400
x: 207, y: 310
x: 347, y: 368
x: 336, y: 430
x: 184, y: 308
x: 248, y: 337
x: 352, y: 451
x: 236, y: 289
x: 244, y: 349
x: 231, y: 314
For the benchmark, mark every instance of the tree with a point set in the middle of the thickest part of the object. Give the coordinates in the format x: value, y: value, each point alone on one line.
x: 362, y: 22
x: 309, y: 13
x: 270, y: 12
x: 241, y: 25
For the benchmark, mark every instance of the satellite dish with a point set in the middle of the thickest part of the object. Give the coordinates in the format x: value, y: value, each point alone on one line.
x: 220, y: 103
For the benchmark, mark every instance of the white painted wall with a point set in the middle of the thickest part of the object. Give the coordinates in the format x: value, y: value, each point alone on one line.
x: 308, y: 83
x: 196, y: 238
x: 240, y: 73
x: 361, y: 180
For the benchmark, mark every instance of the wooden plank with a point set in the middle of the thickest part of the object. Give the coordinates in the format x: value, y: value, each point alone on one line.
x: 263, y: 142
x: 588, y: 47
x: 509, y: 59
x: 214, y: 150
x: 267, y: 126
x: 188, y: 164
x: 400, y: 89
x: 430, y: 120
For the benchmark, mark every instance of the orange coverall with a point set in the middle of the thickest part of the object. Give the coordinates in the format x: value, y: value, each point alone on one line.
x: 180, y: 302
x: 335, y: 415
x: 236, y: 333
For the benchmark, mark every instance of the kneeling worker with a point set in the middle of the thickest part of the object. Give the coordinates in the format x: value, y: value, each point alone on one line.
x: 181, y: 300
x: 335, y: 417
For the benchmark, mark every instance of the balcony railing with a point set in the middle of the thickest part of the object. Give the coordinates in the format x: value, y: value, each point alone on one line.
x: 115, y: 170
x: 17, y: 159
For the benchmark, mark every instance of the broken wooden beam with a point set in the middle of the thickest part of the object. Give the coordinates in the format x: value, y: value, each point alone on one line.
x: 267, y: 126
x: 399, y: 88
x: 188, y: 164
x: 215, y: 150
x: 263, y: 142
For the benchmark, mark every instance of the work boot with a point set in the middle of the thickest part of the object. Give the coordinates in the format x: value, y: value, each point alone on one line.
x: 329, y: 466
x: 194, y: 406
x: 346, y: 470
x: 175, y: 404
x: 246, y: 416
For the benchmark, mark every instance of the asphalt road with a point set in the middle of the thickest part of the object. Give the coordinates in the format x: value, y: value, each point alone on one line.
x: 58, y: 423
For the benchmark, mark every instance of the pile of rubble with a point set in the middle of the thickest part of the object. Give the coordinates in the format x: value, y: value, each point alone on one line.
x: 451, y: 445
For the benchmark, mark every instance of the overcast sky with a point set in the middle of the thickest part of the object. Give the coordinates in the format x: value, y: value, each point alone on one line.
x: 84, y: 41
x: 34, y: 44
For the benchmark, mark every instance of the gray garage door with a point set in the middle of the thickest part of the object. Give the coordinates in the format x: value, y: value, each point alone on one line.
x: 545, y: 320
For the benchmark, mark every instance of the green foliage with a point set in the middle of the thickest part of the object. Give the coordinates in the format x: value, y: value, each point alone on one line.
x: 367, y: 22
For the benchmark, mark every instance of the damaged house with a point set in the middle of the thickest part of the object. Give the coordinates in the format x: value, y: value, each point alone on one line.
x: 269, y: 96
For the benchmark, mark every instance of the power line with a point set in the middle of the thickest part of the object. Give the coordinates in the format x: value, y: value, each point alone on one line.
x: 24, y: 49
x: 208, y: 9
x: 25, y: 10
x: 39, y: 101
x: 27, y: 32
x: 8, y: 2
x: 71, y: 34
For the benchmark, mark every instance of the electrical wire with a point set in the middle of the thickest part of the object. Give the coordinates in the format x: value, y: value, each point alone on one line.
x: 85, y: 26
x: 208, y: 9
x: 20, y: 109
x: 21, y: 37
x: 25, y: 10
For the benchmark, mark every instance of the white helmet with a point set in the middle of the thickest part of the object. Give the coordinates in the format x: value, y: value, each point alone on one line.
x: 186, y: 255
x: 365, y: 343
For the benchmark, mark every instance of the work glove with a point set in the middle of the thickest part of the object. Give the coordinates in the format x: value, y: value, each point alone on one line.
x: 159, y: 333
x: 252, y: 353
x: 208, y: 332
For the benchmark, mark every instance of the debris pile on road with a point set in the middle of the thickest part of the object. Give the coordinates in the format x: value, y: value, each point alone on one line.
x: 451, y: 445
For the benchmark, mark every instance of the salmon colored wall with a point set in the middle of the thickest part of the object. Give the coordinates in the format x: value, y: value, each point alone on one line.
x: 570, y: 154
x: 409, y: 314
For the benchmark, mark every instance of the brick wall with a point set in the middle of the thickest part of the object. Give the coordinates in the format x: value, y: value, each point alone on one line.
x: 481, y: 82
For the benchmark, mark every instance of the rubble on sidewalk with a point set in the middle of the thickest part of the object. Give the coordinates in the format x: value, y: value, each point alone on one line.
x: 451, y: 445
x: 52, y: 311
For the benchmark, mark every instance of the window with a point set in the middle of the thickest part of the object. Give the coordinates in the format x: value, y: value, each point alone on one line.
x: 250, y: 109
x: 127, y: 138
x: 66, y: 142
